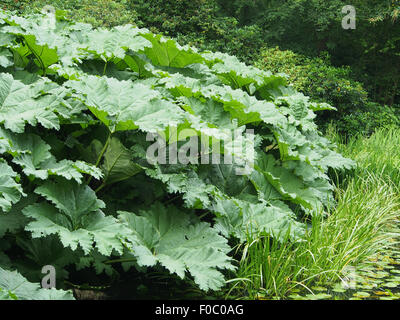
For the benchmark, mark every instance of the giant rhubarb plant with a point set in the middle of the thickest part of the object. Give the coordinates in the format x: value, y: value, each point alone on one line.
x: 77, y: 107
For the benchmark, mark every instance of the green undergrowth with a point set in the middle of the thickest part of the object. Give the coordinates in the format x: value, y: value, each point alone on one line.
x: 378, y: 153
x: 79, y: 191
x: 351, y: 236
x: 81, y: 186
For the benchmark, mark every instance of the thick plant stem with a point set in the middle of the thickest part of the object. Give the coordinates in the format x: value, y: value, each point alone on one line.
x: 105, y: 68
x: 101, y: 155
x: 120, y: 260
x: 101, y: 187
x: 37, y: 57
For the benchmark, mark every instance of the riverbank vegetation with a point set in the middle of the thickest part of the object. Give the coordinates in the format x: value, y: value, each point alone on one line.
x: 364, y: 223
x: 317, y: 218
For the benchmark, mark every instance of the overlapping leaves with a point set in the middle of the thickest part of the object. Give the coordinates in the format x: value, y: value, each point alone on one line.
x: 13, y: 286
x: 10, y: 190
x: 180, y: 243
x: 75, y: 216
x: 103, y: 91
x: 33, y: 155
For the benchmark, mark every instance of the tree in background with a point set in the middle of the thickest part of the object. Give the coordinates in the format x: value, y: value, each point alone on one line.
x: 244, y: 27
x: 323, y: 82
x: 201, y: 23
x: 372, y: 49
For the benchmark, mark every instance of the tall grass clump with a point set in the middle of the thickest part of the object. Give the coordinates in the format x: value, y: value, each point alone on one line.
x: 378, y: 154
x: 359, y: 226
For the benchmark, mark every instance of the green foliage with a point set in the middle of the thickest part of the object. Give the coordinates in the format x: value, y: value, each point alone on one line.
x: 76, y: 120
x: 377, y: 153
x: 13, y: 286
x: 200, y: 24
x: 317, y: 78
x: 13, y: 5
x: 11, y: 191
x: 371, y: 118
x: 169, y: 237
x: 310, y: 27
x: 106, y: 13
x: 364, y: 223
x: 242, y: 28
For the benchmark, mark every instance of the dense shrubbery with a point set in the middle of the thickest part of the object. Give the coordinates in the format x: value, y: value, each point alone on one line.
x: 369, y: 119
x: 317, y: 78
x: 77, y: 107
x: 104, y: 13
x: 76, y: 142
x: 201, y: 24
x: 372, y: 50
x: 242, y: 28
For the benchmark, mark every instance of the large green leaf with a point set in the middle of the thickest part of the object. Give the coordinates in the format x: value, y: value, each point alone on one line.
x: 14, y: 221
x: 6, y: 58
x: 123, y: 105
x: 245, y: 220
x: 21, y: 104
x: 178, y: 242
x: 33, y: 155
x: 196, y: 193
x: 114, y: 43
x: 41, y: 252
x: 118, y: 164
x: 291, y: 187
x: 13, y: 286
x: 167, y: 52
x: 10, y: 190
x: 74, y: 200
x: 240, y: 76
x: 76, y: 217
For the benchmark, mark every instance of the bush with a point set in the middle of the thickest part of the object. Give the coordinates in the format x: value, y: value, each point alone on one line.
x: 367, y: 121
x: 317, y: 78
x: 99, y: 13
x: 76, y: 115
x: 12, y: 5
x: 359, y: 227
x: 199, y: 23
